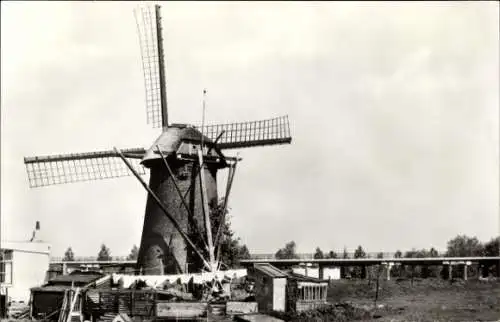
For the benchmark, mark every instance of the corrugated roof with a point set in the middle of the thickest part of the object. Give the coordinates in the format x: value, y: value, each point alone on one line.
x: 270, y: 270
x: 303, y: 278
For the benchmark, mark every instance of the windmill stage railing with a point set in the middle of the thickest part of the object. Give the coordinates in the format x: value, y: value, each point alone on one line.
x: 247, y: 134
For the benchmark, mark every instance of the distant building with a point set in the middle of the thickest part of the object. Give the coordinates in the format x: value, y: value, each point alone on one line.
x: 331, y: 273
x: 23, y: 265
x: 47, y: 300
x: 324, y: 273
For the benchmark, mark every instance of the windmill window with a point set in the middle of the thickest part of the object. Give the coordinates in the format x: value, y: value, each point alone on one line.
x: 184, y: 172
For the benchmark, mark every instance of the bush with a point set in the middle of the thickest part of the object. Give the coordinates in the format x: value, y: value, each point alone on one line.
x: 333, y: 312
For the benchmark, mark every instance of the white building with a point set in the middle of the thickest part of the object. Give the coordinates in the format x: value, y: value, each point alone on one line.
x: 328, y: 273
x: 23, y: 265
x: 331, y: 273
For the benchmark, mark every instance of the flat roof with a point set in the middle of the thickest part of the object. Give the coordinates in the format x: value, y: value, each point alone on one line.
x: 309, y: 279
x: 270, y: 270
x: 26, y: 246
x: 51, y: 288
x: 76, y: 277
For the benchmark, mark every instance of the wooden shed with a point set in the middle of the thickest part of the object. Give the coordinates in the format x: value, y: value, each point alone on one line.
x: 47, y: 301
x: 305, y: 293
x: 270, y: 287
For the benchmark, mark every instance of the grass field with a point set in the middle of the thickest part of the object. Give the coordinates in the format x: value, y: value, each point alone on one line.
x: 425, y: 300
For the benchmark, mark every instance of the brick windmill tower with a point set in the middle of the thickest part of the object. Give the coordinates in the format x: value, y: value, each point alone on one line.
x: 177, y: 235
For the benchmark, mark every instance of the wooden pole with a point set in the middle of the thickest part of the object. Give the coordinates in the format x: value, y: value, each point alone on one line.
x: 161, y: 67
x: 226, y: 197
x: 377, y: 283
x: 178, y: 189
x: 206, y: 210
x: 209, y: 150
x: 162, y: 207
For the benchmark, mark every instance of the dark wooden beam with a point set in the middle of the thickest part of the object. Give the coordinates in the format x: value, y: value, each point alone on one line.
x: 165, y: 211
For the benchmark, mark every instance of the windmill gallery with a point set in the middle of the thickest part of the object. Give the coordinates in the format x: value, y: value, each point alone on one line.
x: 179, y: 236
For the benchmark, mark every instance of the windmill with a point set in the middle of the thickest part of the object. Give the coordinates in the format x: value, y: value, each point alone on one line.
x: 183, y: 163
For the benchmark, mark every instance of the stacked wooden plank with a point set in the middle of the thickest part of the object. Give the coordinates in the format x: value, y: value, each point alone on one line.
x: 124, y: 303
x: 107, y: 317
x: 107, y: 302
x: 132, y: 303
x: 143, y: 303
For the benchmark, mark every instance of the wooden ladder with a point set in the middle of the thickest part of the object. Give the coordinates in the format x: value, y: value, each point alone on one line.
x: 68, y: 312
x: 64, y: 308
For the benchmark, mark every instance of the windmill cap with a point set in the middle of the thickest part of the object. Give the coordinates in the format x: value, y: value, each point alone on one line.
x: 170, y: 140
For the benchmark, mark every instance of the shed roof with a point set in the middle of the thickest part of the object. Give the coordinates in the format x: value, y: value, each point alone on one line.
x: 270, y: 270
x: 26, y: 246
x: 50, y: 288
x: 303, y: 278
x: 77, y: 277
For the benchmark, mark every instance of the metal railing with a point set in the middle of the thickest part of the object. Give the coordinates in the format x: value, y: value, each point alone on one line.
x: 252, y: 256
x: 89, y: 259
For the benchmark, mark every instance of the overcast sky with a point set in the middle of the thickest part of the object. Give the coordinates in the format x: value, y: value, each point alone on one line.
x: 393, y: 110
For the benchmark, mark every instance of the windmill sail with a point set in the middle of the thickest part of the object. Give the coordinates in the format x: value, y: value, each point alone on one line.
x: 150, y: 39
x: 247, y: 134
x: 163, y: 244
x: 68, y: 168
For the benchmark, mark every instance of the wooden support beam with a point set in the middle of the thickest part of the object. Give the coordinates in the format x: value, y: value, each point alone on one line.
x: 209, y: 150
x: 161, y: 70
x: 215, y: 142
x: 232, y: 170
x: 184, y: 202
x: 206, y: 210
x: 162, y: 207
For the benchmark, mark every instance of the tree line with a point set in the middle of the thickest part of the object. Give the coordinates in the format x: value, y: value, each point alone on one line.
x: 104, y: 254
x: 231, y: 248
x: 233, y: 251
x: 459, y: 246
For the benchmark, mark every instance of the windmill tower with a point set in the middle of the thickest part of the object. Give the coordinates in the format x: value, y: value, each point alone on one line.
x: 183, y: 163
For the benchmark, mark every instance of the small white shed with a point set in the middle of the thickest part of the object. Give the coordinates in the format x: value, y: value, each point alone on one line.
x: 270, y: 287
